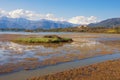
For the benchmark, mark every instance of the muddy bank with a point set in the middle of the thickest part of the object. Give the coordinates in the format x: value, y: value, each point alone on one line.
x: 108, y: 70
x: 23, y: 75
x: 11, y: 35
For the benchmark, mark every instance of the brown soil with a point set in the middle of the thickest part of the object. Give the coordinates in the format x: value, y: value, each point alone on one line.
x: 108, y: 70
x: 31, y: 59
x: 9, y: 37
x: 113, y: 43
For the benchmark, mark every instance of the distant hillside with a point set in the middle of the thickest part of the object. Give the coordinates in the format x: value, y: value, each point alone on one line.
x: 21, y: 23
x: 113, y: 22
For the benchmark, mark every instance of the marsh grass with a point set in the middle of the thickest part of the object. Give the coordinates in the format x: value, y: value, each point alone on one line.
x: 117, y: 30
x: 45, y: 39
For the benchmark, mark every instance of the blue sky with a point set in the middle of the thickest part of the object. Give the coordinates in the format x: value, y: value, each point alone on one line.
x: 102, y: 9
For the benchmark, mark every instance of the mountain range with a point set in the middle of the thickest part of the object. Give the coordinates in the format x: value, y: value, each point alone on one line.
x: 22, y: 23
x: 113, y: 22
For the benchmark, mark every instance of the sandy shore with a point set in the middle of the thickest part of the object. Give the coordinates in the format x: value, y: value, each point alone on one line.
x: 108, y: 70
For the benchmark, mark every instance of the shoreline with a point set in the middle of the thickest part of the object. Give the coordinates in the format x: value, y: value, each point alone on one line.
x: 108, y: 70
x: 99, y: 44
x: 23, y: 75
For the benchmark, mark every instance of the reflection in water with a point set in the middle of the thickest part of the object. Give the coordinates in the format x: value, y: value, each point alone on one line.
x: 11, y: 52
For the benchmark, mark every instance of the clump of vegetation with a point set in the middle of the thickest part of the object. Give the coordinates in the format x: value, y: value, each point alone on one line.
x: 45, y: 39
x: 115, y: 30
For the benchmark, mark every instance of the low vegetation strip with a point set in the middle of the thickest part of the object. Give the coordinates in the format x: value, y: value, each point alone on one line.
x: 108, y: 70
x: 45, y: 39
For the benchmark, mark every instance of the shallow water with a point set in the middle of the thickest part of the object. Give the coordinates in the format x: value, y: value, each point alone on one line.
x: 12, y: 52
x: 85, y: 45
x: 23, y: 75
x: 29, y: 33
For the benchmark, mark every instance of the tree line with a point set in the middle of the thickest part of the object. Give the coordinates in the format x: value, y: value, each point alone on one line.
x: 70, y: 29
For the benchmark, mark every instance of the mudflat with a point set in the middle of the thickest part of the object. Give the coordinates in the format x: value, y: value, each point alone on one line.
x: 108, y: 70
x: 16, y: 57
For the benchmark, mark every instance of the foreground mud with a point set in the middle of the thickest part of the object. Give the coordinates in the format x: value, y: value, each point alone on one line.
x: 108, y: 70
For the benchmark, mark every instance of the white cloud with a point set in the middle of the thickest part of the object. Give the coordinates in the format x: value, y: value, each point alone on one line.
x: 52, y: 17
x: 20, y: 13
x: 83, y: 20
x: 2, y: 12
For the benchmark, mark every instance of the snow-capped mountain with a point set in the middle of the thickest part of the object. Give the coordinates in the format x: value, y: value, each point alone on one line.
x: 22, y: 23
